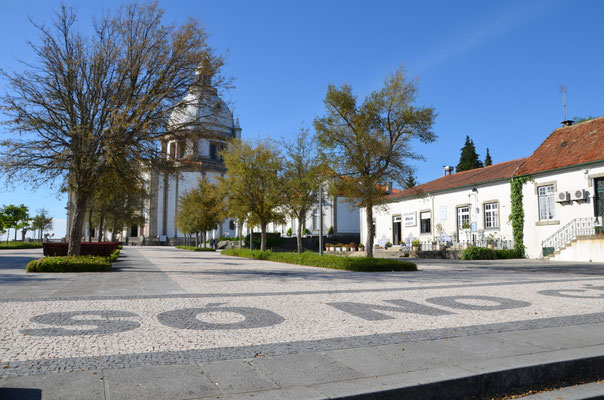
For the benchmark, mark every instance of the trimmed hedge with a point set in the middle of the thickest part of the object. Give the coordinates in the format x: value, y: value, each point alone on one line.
x: 114, y: 255
x: 20, y: 245
x: 70, y: 264
x: 484, y: 253
x: 360, y: 264
x: 193, y: 248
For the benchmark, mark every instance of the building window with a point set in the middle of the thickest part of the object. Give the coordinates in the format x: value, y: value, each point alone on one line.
x: 172, y: 150
x: 182, y: 147
x: 315, y: 219
x: 232, y: 225
x: 213, y: 151
x: 463, y: 218
x: 425, y: 225
x: 491, y: 215
x: 546, y: 202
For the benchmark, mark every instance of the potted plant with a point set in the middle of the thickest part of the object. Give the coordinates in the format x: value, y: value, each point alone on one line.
x: 387, y: 245
x: 599, y: 230
x: 415, y: 244
x: 352, y: 246
x: 361, y: 247
x: 491, y: 240
x: 339, y: 247
x: 328, y: 246
x: 330, y: 231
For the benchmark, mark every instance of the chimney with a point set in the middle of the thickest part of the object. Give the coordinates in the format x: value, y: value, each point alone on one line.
x: 568, y: 122
x: 389, y: 188
x: 448, y: 170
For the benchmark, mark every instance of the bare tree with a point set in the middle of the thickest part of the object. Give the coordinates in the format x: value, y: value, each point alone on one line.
x: 92, y: 103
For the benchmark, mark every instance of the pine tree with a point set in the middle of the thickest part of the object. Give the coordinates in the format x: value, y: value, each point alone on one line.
x: 410, y: 182
x: 469, y: 158
x: 487, y: 160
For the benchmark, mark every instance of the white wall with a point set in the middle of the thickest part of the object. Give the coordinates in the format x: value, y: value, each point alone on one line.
x: 348, y: 217
x: 443, y: 210
x: 569, y: 180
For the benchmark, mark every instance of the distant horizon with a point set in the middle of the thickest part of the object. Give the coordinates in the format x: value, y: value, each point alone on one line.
x: 492, y: 71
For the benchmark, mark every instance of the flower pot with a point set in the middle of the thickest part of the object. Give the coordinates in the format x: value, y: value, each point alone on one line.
x: 490, y: 246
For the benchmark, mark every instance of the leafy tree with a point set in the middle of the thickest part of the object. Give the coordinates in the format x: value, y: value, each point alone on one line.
x: 469, y: 158
x: 201, y: 209
x: 41, y: 222
x: 253, y: 183
x: 92, y: 102
x: 15, y: 217
x: 487, y: 160
x: 369, y: 144
x: 303, y: 173
x: 410, y: 182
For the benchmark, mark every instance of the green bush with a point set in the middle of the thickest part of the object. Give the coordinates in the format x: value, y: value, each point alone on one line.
x: 114, y: 255
x: 120, y: 246
x: 20, y: 245
x: 193, y: 248
x: 289, y: 232
x: 70, y: 264
x: 361, y: 264
x: 484, y: 253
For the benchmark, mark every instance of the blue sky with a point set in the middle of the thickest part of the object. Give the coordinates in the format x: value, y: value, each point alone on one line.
x: 492, y: 70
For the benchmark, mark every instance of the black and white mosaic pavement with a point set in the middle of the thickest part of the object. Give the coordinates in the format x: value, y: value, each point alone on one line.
x: 165, y: 306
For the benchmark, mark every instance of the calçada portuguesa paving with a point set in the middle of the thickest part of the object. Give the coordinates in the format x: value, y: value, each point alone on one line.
x: 177, y: 324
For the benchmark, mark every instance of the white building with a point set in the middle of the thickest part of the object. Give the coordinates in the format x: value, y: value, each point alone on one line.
x: 562, y: 201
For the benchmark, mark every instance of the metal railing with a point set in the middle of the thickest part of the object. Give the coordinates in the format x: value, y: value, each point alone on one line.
x: 576, y: 227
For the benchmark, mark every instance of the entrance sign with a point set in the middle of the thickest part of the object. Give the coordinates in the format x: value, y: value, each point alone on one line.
x: 410, y: 219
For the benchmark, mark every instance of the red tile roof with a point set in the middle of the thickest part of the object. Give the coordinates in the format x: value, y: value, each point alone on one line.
x: 476, y: 176
x: 567, y: 146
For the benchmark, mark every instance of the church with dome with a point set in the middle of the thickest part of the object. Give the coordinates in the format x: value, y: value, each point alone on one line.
x: 208, y: 125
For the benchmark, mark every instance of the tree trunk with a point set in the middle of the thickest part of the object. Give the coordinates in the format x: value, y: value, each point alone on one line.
x: 240, y: 233
x: 251, y: 239
x: 77, y: 224
x: 262, y: 236
x: 299, y: 230
x: 370, y: 231
x: 101, y: 223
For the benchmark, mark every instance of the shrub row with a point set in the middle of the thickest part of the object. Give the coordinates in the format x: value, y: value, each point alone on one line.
x: 484, y: 253
x: 70, y: 264
x: 193, y: 248
x: 361, y: 264
x: 21, y: 245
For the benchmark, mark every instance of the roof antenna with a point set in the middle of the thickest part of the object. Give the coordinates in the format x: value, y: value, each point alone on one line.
x: 565, y: 122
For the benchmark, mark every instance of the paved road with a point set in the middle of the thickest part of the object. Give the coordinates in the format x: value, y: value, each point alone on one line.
x: 173, y: 308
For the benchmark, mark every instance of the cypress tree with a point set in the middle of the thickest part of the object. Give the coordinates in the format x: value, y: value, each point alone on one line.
x: 410, y: 182
x: 469, y: 158
x: 487, y: 160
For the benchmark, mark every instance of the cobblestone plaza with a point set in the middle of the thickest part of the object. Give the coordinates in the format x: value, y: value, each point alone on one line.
x: 166, y: 306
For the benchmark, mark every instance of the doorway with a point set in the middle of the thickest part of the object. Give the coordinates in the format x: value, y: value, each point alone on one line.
x: 599, y: 198
x: 463, y: 222
x: 396, y: 230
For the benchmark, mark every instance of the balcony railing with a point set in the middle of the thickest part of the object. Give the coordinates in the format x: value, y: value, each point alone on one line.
x: 570, y: 231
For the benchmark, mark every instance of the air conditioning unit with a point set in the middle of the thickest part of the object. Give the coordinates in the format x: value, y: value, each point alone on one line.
x: 562, y: 197
x: 579, y: 195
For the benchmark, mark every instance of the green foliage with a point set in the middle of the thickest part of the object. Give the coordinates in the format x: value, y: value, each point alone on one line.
x: 360, y: 264
x: 20, y: 245
x: 368, y: 145
x: 70, y: 264
x: 415, y: 243
x: 289, y: 232
x: 14, y: 217
x: 41, y: 222
x: 484, y: 253
x: 114, y: 255
x: 469, y: 158
x: 330, y: 230
x: 578, y: 120
x: 410, y: 182
x: 517, y: 214
x: 193, y: 248
x: 488, y: 160
x: 252, y: 183
x: 200, y: 209
x: 273, y: 239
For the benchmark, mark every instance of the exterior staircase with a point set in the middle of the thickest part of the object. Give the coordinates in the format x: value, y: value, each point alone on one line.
x: 573, y: 236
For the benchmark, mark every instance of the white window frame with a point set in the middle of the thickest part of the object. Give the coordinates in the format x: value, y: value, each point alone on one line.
x: 546, y: 202
x: 421, y: 222
x: 491, y: 215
